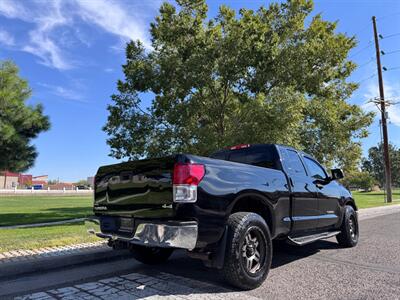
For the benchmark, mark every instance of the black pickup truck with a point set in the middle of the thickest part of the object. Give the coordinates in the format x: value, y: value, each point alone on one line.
x: 224, y: 209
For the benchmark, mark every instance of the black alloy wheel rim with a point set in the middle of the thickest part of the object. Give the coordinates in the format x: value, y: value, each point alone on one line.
x: 253, y: 250
x: 353, y: 228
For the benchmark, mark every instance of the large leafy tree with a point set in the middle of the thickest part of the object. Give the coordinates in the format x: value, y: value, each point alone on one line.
x: 374, y: 164
x: 253, y: 77
x: 19, y: 122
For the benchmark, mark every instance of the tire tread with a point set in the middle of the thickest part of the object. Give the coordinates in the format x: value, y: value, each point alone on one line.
x: 236, y: 224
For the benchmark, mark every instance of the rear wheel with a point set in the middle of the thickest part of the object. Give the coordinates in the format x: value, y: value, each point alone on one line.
x: 348, y: 236
x: 248, y: 251
x: 150, y: 255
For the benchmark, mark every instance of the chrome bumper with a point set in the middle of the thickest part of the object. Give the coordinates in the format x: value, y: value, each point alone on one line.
x: 176, y: 235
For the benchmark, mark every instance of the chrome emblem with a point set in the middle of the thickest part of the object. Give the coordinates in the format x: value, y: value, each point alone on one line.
x: 100, y: 208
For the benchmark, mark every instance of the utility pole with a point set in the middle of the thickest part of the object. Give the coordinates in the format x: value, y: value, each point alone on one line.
x: 383, y: 117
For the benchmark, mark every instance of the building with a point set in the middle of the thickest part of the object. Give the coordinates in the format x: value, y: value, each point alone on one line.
x: 44, y: 178
x: 90, y: 181
x: 25, y: 180
x: 9, y: 180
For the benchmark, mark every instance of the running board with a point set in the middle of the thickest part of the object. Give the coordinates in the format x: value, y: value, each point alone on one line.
x: 303, y: 240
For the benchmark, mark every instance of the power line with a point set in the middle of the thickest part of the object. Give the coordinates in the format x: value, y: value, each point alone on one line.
x: 361, y: 50
x: 390, y: 52
x: 363, y: 29
x: 391, y: 69
x: 366, y: 63
x: 365, y: 79
x: 387, y: 16
x: 383, y: 37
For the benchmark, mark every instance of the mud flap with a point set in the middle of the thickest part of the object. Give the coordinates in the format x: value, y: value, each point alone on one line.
x: 218, y: 257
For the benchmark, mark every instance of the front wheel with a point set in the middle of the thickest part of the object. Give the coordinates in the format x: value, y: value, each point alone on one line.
x: 348, y: 236
x: 150, y: 255
x: 248, y: 251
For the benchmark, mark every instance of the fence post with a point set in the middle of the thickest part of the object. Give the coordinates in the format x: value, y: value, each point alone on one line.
x: 32, y: 189
x: 64, y: 189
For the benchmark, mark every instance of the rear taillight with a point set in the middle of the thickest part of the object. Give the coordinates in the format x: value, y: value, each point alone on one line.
x: 185, y: 181
x: 241, y: 146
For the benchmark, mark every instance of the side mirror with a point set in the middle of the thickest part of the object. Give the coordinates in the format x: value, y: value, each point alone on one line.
x: 337, y: 174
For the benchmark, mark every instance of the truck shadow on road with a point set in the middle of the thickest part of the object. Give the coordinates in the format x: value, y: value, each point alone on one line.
x: 181, y: 265
x: 285, y: 254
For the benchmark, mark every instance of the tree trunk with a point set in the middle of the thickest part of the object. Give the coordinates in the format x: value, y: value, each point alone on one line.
x: 5, y: 179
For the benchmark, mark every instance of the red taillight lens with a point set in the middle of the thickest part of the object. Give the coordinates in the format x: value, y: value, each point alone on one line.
x: 241, y: 146
x: 190, y: 174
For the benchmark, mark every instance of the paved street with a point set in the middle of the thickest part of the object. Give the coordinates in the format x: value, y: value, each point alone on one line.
x: 318, y: 271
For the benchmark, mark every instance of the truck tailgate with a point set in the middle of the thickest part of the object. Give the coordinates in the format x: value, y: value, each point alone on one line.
x: 134, y: 188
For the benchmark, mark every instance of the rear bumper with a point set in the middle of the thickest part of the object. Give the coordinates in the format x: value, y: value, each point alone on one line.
x: 167, y: 235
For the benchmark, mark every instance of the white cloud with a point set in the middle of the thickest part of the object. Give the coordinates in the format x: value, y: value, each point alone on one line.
x: 6, y: 38
x: 115, y: 19
x: 125, y: 19
x: 46, y: 16
x: 13, y: 9
x: 65, y: 93
x: 392, y: 93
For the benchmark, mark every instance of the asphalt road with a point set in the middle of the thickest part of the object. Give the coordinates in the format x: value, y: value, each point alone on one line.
x: 318, y: 271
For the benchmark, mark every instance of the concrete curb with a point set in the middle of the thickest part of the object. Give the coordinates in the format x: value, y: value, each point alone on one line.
x: 373, y: 212
x: 46, y: 263
x: 21, y: 254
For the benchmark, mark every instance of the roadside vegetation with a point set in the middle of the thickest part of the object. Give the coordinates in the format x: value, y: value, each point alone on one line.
x: 373, y: 199
x: 41, y: 237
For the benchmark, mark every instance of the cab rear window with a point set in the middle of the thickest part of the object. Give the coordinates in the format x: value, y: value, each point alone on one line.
x: 264, y: 156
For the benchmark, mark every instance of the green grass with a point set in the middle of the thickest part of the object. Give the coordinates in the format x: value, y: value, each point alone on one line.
x: 41, y: 237
x: 38, y: 209
x: 31, y: 209
x: 373, y: 199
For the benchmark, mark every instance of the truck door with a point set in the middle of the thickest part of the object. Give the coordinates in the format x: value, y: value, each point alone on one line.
x: 328, y: 194
x: 304, y: 212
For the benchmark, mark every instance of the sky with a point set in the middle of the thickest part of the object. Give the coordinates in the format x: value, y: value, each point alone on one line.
x: 71, y: 53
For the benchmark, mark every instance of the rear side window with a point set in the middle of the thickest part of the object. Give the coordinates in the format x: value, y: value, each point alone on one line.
x: 219, y: 155
x: 316, y: 171
x: 257, y: 156
x: 292, y: 162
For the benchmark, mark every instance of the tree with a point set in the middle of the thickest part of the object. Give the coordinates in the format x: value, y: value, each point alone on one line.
x: 83, y: 182
x: 362, y: 180
x: 262, y: 76
x: 19, y: 122
x: 374, y: 164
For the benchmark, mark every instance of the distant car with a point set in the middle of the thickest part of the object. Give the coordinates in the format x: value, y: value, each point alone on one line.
x: 82, y: 187
x: 37, y: 187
